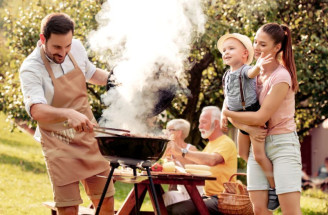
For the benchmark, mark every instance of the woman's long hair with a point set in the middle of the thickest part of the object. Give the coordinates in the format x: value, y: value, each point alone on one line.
x: 282, y: 34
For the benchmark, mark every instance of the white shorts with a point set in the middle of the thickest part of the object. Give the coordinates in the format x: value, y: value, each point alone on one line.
x: 284, y: 152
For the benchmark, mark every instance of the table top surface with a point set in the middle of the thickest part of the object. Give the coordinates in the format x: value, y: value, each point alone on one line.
x: 163, y: 178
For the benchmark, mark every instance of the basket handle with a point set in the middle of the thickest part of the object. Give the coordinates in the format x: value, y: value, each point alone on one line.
x: 244, y: 174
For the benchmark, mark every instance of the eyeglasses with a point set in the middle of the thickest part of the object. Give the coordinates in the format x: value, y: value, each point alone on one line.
x: 171, y: 129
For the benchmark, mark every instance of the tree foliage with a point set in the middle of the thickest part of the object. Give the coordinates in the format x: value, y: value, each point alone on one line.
x: 306, y: 18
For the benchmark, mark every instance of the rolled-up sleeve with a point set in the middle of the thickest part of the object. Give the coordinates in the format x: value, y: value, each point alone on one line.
x: 89, y: 67
x: 31, y: 85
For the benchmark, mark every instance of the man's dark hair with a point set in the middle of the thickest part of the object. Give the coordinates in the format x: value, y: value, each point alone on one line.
x: 56, y: 23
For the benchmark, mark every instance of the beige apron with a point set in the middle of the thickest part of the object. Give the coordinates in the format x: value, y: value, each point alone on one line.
x: 70, y: 156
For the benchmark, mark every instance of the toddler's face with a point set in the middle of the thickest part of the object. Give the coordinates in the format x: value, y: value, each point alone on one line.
x: 234, y: 52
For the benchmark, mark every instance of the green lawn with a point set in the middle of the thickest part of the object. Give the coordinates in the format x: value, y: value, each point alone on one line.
x: 24, y: 182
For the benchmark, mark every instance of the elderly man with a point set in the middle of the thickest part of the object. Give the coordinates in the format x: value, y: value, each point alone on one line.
x: 220, y: 153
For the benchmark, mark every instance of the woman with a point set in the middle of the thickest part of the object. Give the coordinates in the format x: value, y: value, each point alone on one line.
x: 276, y: 87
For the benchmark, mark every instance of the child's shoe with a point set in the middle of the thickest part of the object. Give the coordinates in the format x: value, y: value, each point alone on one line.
x: 273, y: 202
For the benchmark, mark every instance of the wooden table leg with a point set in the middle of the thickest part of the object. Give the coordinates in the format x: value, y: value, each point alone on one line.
x: 130, y: 201
x: 197, y: 199
x: 159, y: 190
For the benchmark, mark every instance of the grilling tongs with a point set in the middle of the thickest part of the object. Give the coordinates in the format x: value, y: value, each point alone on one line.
x: 100, y: 130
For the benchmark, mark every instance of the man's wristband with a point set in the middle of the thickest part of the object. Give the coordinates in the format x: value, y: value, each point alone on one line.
x: 109, y: 82
x: 184, y: 152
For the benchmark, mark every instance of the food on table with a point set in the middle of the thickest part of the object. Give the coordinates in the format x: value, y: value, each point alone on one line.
x: 157, y: 167
x: 199, y: 172
x: 198, y: 167
x: 169, y: 167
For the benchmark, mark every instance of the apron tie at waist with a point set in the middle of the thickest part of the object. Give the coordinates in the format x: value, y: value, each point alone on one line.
x: 65, y: 136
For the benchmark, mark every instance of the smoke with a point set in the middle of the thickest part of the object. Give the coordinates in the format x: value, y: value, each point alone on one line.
x: 147, y: 42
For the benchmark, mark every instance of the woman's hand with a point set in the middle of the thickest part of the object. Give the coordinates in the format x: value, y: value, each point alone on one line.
x: 173, y: 149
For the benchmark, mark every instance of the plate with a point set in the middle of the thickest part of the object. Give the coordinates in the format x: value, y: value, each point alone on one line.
x: 199, y: 172
x: 202, y: 174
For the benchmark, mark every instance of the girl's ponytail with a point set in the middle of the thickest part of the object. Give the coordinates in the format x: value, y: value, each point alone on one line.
x: 288, y: 56
x: 282, y: 34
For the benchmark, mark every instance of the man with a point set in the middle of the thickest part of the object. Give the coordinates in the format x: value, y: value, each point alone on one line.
x: 53, y: 80
x: 220, y: 153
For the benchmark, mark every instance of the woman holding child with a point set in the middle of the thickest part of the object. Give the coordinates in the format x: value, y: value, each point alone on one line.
x: 276, y: 85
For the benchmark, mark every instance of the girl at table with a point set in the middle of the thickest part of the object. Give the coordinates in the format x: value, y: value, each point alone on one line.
x: 276, y: 87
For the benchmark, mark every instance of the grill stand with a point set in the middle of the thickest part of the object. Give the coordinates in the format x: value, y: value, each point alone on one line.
x: 146, y: 165
x: 113, y: 167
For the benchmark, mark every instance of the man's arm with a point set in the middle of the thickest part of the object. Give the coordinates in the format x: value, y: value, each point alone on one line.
x: 195, y: 157
x: 100, y: 77
x: 212, y: 159
x: 45, y: 114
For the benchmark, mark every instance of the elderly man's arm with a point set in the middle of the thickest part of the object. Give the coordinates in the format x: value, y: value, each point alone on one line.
x: 195, y: 156
x: 212, y: 159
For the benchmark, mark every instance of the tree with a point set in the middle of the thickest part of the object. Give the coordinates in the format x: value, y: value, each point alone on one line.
x: 307, y: 19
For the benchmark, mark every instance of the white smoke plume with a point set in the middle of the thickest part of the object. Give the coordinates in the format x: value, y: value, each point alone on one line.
x: 148, y: 43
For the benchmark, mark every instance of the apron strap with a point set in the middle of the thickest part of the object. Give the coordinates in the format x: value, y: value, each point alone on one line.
x: 46, y: 63
x: 72, y: 59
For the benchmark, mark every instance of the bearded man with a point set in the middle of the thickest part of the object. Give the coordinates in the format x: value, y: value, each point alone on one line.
x: 53, y: 80
x: 220, y: 154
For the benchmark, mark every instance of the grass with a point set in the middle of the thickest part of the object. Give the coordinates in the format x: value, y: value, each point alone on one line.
x: 24, y: 183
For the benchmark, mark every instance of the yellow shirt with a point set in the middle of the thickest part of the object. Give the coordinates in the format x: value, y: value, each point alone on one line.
x: 225, y: 146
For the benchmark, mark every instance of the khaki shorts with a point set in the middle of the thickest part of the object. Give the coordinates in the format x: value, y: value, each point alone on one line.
x: 284, y: 152
x: 69, y: 195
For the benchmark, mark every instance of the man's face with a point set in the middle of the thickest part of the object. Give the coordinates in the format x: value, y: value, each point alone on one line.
x: 206, y: 127
x: 57, y: 46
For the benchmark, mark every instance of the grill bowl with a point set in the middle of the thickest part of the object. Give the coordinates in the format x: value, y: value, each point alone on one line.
x: 131, y: 150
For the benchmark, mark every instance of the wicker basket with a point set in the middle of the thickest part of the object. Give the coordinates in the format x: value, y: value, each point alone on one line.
x: 235, y: 199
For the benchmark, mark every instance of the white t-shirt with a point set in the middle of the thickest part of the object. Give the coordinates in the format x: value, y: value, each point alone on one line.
x: 35, y: 80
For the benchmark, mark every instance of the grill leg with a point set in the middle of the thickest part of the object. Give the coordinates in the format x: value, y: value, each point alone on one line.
x: 113, y: 167
x: 152, y: 189
x: 136, y: 191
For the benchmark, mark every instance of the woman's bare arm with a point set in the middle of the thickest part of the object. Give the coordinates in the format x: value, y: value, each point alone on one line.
x: 269, y: 106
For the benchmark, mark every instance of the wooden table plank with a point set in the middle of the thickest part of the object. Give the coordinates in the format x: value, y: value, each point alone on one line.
x: 189, y: 181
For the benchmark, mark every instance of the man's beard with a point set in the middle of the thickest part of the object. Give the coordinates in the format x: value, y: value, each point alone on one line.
x: 51, y: 56
x: 207, y: 133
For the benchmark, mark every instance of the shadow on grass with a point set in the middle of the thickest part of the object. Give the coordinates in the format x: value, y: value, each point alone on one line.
x: 310, y: 212
x: 34, y: 167
x: 16, y: 143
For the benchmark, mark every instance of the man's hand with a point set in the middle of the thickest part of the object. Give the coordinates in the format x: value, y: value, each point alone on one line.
x: 79, y: 121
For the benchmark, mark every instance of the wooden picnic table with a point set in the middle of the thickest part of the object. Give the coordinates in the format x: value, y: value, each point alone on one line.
x: 189, y: 181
